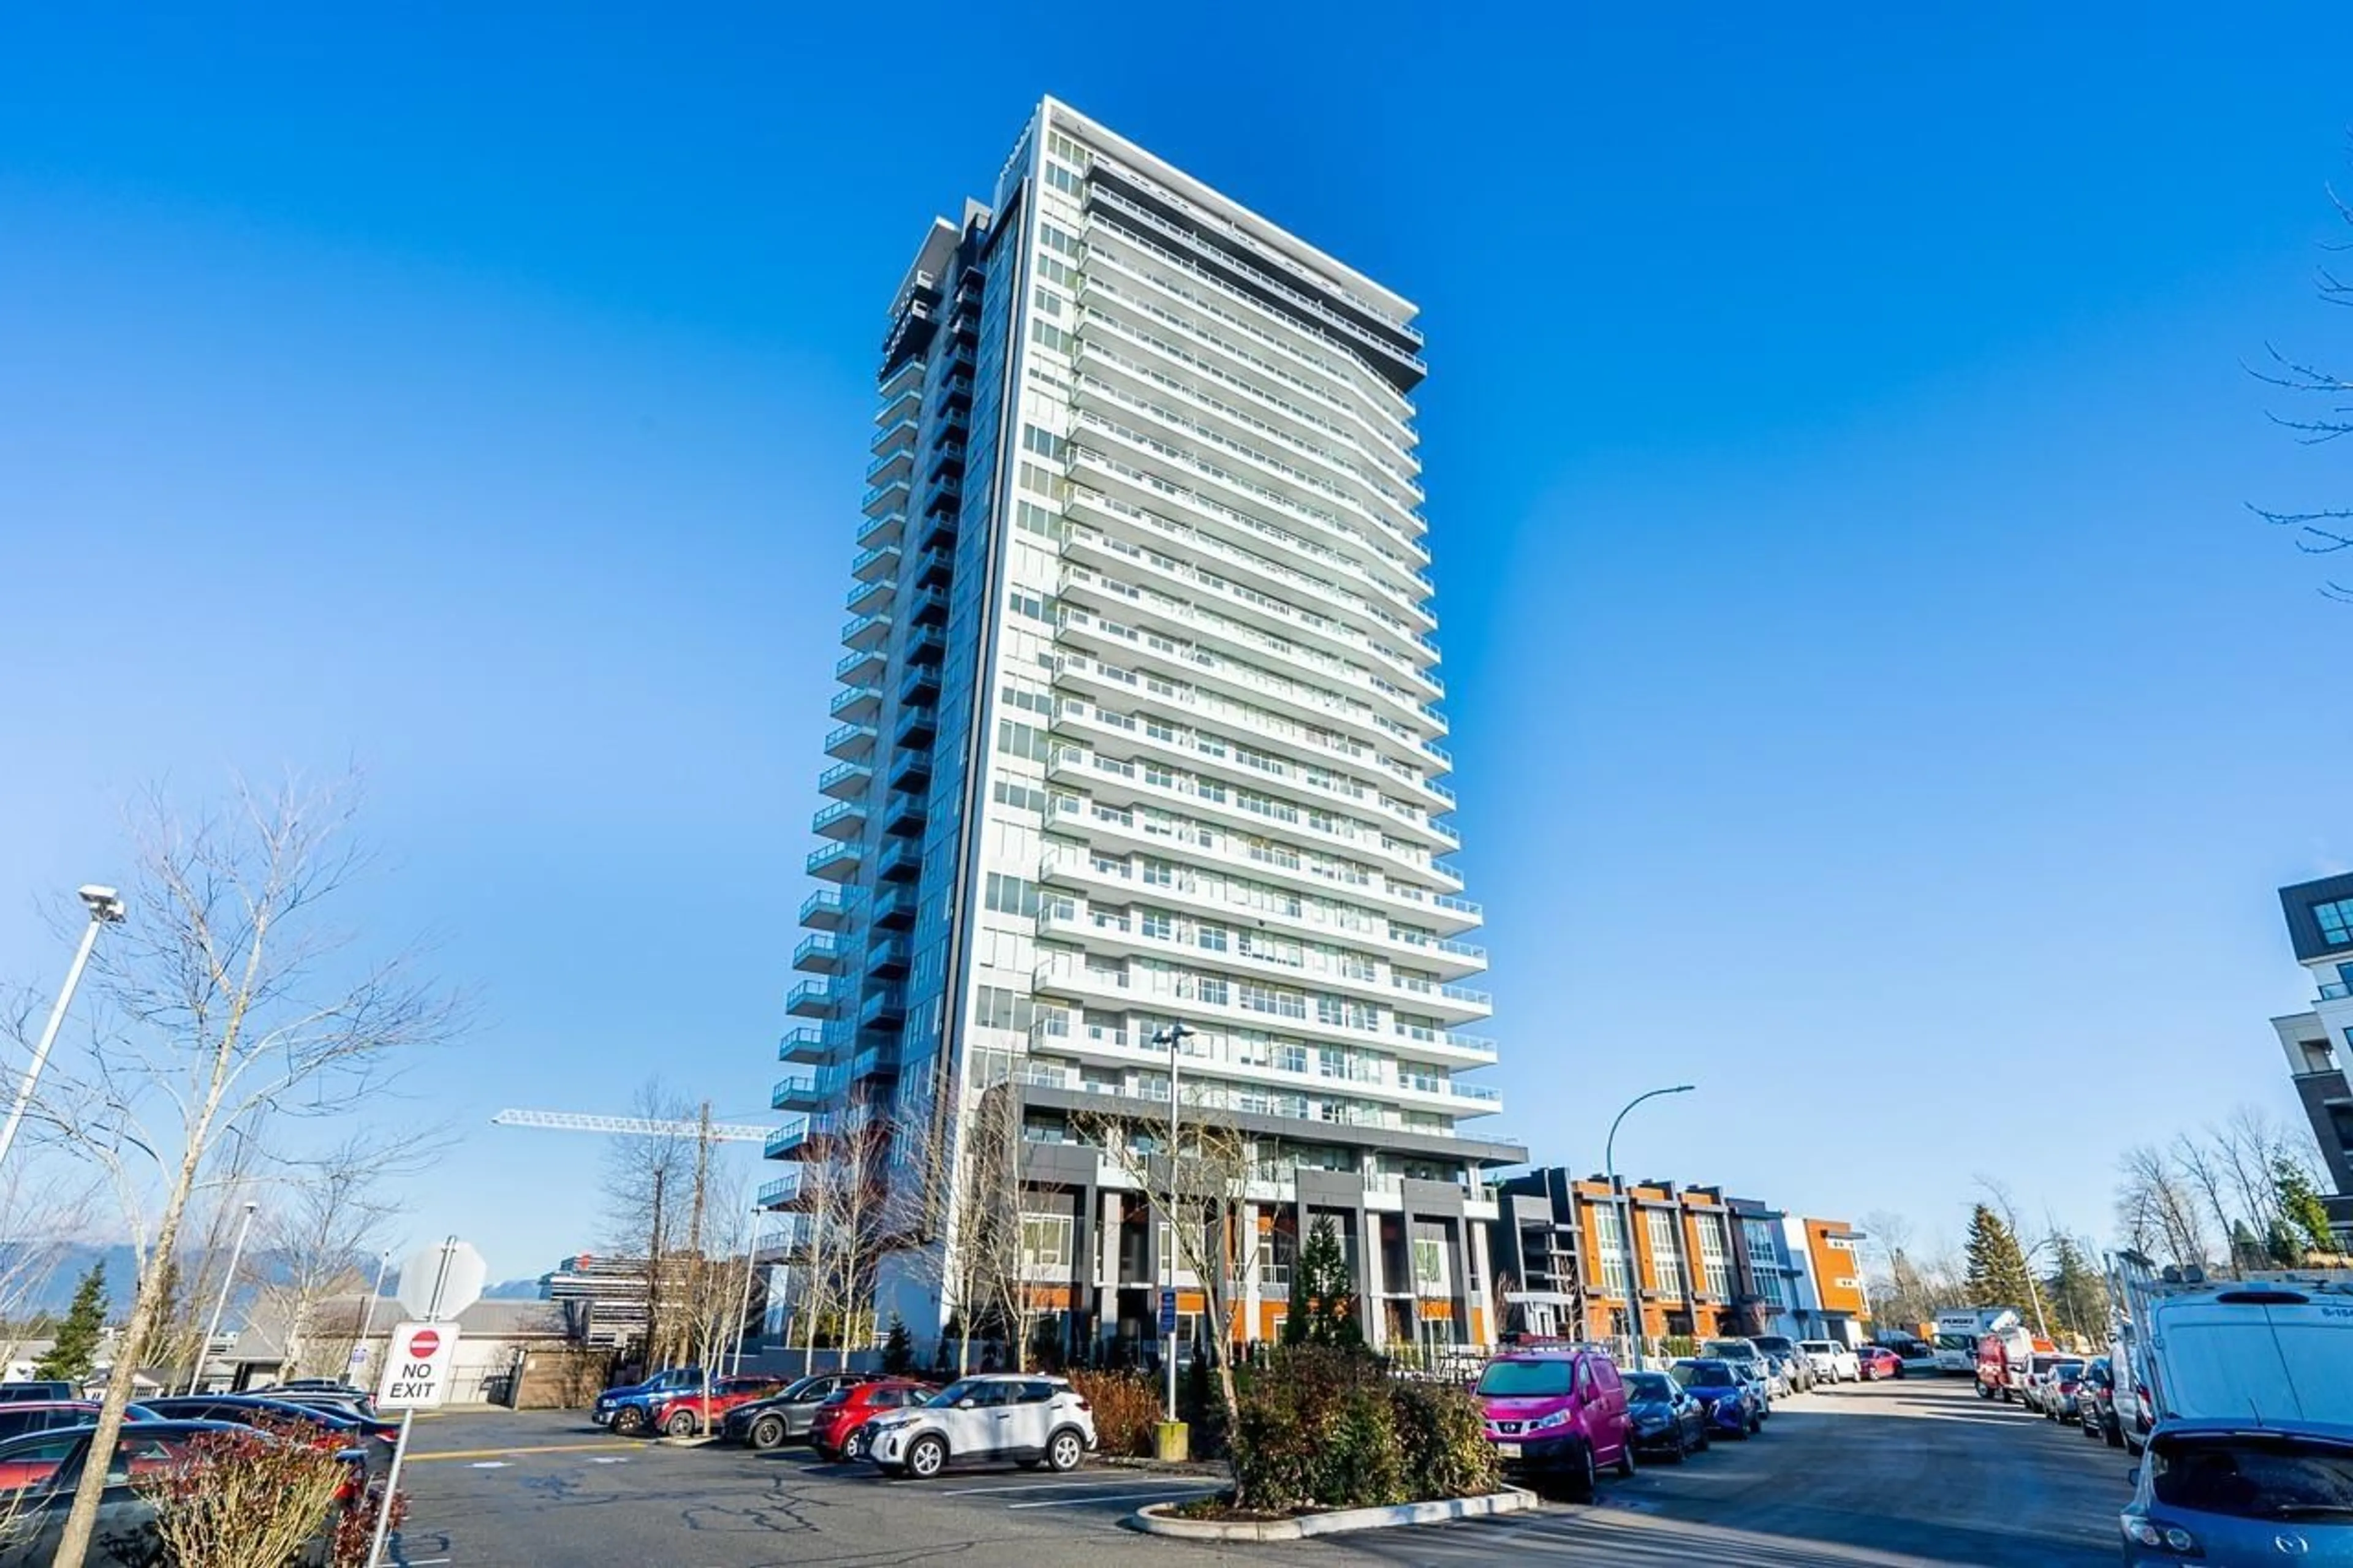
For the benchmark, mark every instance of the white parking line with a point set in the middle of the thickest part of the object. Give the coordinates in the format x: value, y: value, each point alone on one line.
x: 1163, y: 1496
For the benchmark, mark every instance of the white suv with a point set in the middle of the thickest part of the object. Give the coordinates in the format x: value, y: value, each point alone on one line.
x: 1832, y: 1361
x: 1027, y: 1417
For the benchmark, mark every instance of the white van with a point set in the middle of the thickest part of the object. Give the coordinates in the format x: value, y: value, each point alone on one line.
x: 2278, y: 1353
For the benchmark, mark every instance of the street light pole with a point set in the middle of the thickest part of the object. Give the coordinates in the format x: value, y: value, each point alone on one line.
x: 1173, y: 1037
x: 367, y: 1318
x: 1624, y: 1201
x: 220, y: 1304
x: 105, y: 909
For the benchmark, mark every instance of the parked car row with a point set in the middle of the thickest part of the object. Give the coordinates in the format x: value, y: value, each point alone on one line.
x: 1559, y: 1416
x: 901, y: 1426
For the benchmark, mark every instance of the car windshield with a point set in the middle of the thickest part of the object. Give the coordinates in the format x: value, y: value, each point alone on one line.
x: 1524, y: 1379
x: 2069, y: 1370
x: 1773, y: 1343
x: 1642, y: 1385
x: 1701, y: 1375
x: 2271, y: 1477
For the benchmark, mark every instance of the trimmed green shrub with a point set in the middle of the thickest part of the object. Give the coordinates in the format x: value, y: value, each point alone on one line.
x: 1443, y: 1436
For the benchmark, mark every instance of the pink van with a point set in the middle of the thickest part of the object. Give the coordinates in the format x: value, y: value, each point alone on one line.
x: 1557, y: 1417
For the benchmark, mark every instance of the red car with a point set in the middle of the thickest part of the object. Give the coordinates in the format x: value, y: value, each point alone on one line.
x: 839, y: 1430
x: 685, y: 1413
x: 1879, y: 1361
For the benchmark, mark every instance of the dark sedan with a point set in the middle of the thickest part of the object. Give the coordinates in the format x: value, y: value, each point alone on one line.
x: 1668, y: 1423
x: 1735, y: 1404
x: 2095, y: 1402
x: 328, y: 1428
x: 38, y: 1474
x: 786, y: 1417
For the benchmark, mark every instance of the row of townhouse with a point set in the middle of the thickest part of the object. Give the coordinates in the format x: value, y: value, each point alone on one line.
x: 1700, y: 1262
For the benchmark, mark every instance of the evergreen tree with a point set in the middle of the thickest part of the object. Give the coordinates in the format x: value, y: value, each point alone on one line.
x: 2302, y: 1213
x: 1997, y: 1275
x: 2079, y: 1297
x: 1322, y: 1293
x: 898, y: 1349
x: 74, y: 1355
x: 2247, y: 1250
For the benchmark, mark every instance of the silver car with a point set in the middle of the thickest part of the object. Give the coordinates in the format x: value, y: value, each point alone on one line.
x: 2226, y: 1490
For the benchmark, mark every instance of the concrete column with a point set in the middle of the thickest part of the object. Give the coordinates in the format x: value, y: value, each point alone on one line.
x: 1368, y: 1248
x: 1475, y: 1234
x: 1250, y: 1279
x: 1111, y: 1207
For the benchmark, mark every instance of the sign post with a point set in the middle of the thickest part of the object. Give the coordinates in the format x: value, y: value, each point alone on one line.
x: 437, y: 1284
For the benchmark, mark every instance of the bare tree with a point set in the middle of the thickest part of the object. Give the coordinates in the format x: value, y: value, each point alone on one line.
x: 323, y: 1219
x: 2326, y: 414
x: 1197, y: 1190
x: 43, y: 1214
x: 841, y: 1227
x: 953, y: 1211
x: 2154, y: 1205
x: 228, y: 998
x: 648, y: 1196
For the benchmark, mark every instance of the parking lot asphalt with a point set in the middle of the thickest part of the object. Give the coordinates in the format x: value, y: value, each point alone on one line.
x: 1910, y: 1472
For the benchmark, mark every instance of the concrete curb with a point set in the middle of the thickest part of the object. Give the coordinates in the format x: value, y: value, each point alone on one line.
x: 1152, y: 1521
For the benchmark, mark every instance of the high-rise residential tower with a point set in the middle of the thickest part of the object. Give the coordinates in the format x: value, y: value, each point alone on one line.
x: 1138, y: 725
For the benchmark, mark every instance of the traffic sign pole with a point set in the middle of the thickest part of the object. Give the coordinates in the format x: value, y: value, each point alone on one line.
x: 419, y: 1357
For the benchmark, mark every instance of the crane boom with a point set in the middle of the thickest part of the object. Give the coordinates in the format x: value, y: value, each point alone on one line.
x: 628, y: 1126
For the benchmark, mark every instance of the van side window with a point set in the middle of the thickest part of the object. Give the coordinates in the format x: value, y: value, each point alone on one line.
x: 1584, y: 1381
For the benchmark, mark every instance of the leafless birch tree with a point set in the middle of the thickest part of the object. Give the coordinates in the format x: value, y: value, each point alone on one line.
x: 229, y: 997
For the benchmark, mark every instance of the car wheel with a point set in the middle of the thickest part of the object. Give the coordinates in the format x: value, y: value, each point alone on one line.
x: 1626, y: 1459
x: 628, y: 1422
x: 767, y: 1432
x: 859, y: 1445
x: 2115, y: 1435
x: 1064, y: 1450
x: 1680, y: 1451
x: 1584, y: 1481
x: 926, y: 1457
x: 681, y: 1424
x: 1984, y: 1393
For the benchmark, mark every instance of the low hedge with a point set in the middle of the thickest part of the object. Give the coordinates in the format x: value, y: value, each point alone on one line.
x: 1321, y: 1427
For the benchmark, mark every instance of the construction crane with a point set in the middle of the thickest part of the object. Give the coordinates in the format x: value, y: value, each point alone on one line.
x: 632, y: 1126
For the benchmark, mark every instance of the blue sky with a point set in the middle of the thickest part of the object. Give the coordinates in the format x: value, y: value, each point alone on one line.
x: 1872, y: 699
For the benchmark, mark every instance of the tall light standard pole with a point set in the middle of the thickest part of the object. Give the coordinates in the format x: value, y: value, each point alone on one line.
x: 220, y: 1302
x: 1624, y: 1200
x: 1173, y: 1036
x: 367, y: 1318
x: 105, y: 909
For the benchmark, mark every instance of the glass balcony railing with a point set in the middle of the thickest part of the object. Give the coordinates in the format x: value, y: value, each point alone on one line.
x: 835, y: 862
x: 828, y: 908
x: 839, y: 820
x: 880, y: 561
x: 784, y: 1191
x: 844, y: 780
x: 804, y: 1044
x: 850, y: 741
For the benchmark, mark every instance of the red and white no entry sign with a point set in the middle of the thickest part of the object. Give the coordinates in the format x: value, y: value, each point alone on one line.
x: 416, y: 1371
x: 424, y: 1344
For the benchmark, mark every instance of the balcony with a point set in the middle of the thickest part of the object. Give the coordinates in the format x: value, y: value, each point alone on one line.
x: 828, y: 908
x: 916, y: 727
x: 927, y: 647
x: 888, y: 528
x: 886, y: 498
x: 902, y: 380
x: 955, y: 391
x: 856, y: 704
x: 880, y: 561
x: 820, y: 953
x: 922, y: 686
x: 902, y: 813
x: 894, y: 910
x: 787, y: 1138
x: 910, y: 768
x: 845, y: 781
x: 785, y: 1192
x: 869, y: 598
x: 844, y: 819
x: 860, y: 667
x: 934, y: 568
x: 797, y: 1091
x: 928, y: 608
x: 885, y: 1009
x: 804, y: 1044
x: 888, y: 959
x: 897, y: 463
x: 834, y: 863
x: 867, y: 631
x: 902, y: 862
x: 811, y: 999
x: 939, y: 531
x: 850, y: 741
